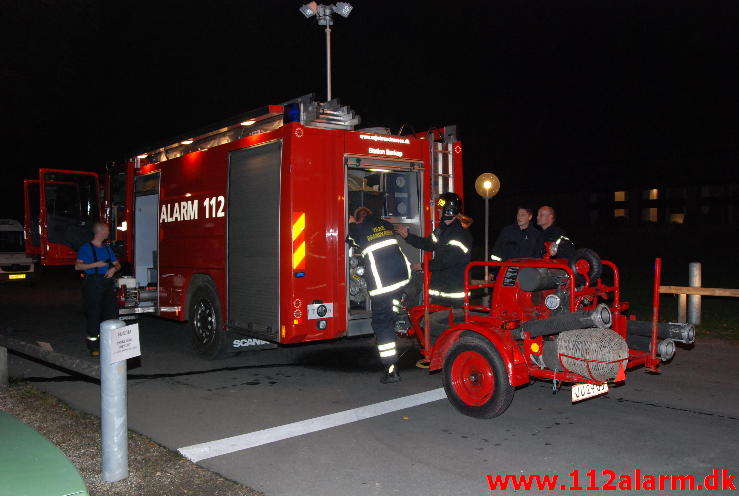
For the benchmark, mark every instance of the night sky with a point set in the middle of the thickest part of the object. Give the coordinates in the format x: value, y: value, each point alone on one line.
x: 537, y: 88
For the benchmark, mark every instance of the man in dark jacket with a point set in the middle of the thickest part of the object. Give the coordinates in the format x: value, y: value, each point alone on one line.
x: 388, y: 272
x: 562, y: 246
x: 519, y: 240
x: 452, y: 247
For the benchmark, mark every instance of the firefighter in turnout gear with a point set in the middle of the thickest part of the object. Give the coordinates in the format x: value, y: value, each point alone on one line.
x: 452, y: 247
x: 388, y: 273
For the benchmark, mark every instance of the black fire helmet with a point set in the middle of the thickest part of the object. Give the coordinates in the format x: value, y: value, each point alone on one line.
x: 450, y: 205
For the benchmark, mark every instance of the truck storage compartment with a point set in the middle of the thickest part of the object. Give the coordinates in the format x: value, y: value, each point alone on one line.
x: 254, y: 241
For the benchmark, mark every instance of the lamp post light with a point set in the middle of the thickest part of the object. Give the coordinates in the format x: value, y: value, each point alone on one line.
x: 487, y: 185
x: 324, y: 14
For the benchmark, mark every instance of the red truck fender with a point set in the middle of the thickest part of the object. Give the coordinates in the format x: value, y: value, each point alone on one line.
x: 514, y: 360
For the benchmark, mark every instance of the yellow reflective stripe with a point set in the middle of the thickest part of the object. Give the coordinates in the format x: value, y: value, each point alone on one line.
x: 385, y: 354
x: 381, y: 244
x: 388, y: 289
x: 298, y: 226
x: 298, y: 255
x: 434, y: 292
x: 407, y: 265
x: 459, y: 245
x: 496, y: 258
x: 386, y: 346
x: 298, y: 241
x: 453, y: 295
x: 433, y: 238
x: 373, y: 268
x: 379, y: 289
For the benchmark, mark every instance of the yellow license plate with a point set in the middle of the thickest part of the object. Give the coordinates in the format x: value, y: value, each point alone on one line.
x: 17, y: 276
x: 584, y: 391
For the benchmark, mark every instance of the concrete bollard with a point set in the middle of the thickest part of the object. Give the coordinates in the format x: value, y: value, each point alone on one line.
x: 694, y: 301
x: 113, y: 407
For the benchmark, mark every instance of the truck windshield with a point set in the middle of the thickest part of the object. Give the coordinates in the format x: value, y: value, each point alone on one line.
x: 71, y: 200
x: 11, y: 241
x: 71, y: 207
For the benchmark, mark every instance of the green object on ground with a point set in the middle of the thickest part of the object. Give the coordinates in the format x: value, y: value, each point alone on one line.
x: 31, y: 465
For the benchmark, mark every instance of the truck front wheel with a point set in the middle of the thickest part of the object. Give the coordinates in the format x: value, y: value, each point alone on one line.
x: 475, y: 378
x: 208, y: 336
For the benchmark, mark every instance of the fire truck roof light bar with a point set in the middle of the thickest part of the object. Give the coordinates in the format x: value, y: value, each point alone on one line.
x: 247, y: 119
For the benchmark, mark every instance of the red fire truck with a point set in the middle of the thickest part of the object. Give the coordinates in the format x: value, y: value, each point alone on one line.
x: 239, y: 228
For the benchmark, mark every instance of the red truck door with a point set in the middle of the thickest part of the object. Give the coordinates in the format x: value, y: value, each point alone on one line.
x: 69, y: 205
x: 31, y: 229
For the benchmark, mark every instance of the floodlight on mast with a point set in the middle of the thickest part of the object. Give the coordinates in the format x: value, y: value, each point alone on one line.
x: 324, y: 14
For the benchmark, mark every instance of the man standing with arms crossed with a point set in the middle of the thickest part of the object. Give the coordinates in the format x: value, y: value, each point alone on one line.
x: 519, y: 240
x: 98, y: 263
x: 562, y: 246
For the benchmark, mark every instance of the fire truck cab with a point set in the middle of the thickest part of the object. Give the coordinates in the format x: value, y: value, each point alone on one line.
x: 240, y: 228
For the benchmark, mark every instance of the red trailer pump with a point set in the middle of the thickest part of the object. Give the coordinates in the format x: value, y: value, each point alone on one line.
x: 549, y: 319
x: 239, y: 228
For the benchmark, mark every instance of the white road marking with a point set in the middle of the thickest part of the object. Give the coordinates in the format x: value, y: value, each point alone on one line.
x: 228, y: 445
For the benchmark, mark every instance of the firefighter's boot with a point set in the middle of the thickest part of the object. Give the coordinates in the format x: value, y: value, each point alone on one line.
x: 390, y: 375
x: 93, y: 345
x: 389, y: 359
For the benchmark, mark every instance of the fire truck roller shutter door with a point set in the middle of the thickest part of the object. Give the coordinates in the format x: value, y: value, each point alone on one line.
x: 253, y: 218
x: 208, y: 335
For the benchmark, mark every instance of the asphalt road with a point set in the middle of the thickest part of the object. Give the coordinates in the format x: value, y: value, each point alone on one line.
x: 683, y: 421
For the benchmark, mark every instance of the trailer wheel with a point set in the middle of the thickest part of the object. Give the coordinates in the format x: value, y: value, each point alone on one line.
x: 208, y: 336
x: 475, y: 378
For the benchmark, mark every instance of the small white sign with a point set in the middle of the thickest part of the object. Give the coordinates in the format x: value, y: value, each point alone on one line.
x: 124, y: 343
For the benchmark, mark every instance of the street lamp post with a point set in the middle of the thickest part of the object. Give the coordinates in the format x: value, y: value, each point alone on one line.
x: 324, y: 15
x: 487, y: 185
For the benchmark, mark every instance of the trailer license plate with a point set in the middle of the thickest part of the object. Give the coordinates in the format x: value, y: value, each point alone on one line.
x: 584, y: 391
x: 17, y: 276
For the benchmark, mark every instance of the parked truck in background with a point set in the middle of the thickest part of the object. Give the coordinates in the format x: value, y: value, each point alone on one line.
x: 15, y: 264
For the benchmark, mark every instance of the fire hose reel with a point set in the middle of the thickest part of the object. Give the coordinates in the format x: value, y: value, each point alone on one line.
x: 596, y: 354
